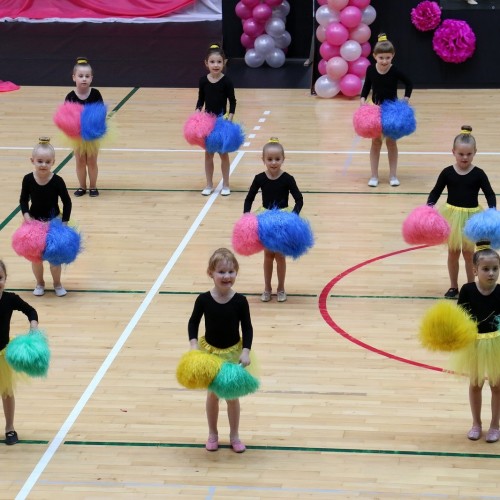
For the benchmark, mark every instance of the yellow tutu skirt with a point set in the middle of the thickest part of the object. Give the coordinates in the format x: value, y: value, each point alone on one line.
x: 479, y: 360
x: 8, y: 377
x: 457, y: 217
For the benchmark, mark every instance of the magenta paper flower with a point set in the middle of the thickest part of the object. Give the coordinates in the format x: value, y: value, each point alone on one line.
x: 426, y: 16
x: 454, y: 41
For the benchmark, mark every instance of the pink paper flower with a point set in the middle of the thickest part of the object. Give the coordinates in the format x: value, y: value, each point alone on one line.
x: 454, y: 41
x: 426, y: 16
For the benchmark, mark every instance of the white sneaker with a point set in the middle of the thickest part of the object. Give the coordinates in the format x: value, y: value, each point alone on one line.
x: 394, y: 181
x: 281, y: 296
x: 373, y: 182
x: 207, y: 191
x: 266, y: 296
x: 225, y: 192
x: 60, y: 291
x: 39, y: 290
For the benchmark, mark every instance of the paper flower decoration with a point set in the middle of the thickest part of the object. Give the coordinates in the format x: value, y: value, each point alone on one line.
x: 454, y: 41
x: 426, y: 16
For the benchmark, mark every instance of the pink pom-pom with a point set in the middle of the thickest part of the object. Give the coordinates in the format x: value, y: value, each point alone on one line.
x: 198, y: 126
x: 28, y: 241
x: 246, y: 235
x: 454, y: 41
x: 426, y: 16
x: 425, y: 226
x: 68, y: 118
x: 367, y: 121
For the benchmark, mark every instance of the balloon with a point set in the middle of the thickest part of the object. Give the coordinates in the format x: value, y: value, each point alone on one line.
x: 350, y: 50
x: 328, y: 50
x: 253, y: 59
x: 325, y: 16
x: 350, y: 17
x: 326, y: 87
x: 322, y: 2
x: 247, y: 41
x: 336, y: 68
x: 322, y: 67
x: 361, y: 33
x: 321, y: 33
x: 360, y: 4
x: 336, y: 33
x: 276, y: 27
x: 350, y: 85
x: 366, y: 49
x: 250, y: 3
x: 368, y: 15
x: 252, y: 28
x: 262, y: 12
x: 275, y: 3
x: 275, y: 58
x: 264, y: 44
x: 337, y: 4
x: 359, y: 66
x: 282, y: 10
x: 243, y: 11
x: 283, y: 41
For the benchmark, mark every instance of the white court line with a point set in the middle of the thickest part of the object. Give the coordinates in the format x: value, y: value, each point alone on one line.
x: 70, y: 420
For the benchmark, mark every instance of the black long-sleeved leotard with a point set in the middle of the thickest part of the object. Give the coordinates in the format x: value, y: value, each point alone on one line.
x: 216, y: 95
x: 483, y: 308
x: 94, y: 96
x: 44, y: 199
x: 385, y: 86
x: 463, y: 190
x: 274, y: 192
x: 10, y: 302
x: 222, y: 321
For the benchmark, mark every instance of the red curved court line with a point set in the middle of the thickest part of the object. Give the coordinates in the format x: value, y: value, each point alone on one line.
x: 329, y: 320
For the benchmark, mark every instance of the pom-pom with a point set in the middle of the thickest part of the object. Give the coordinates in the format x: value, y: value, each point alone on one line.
x: 68, y: 119
x: 233, y: 382
x: 246, y: 235
x: 367, y: 122
x: 426, y: 16
x: 454, y: 41
x: 29, y: 240
x: 93, y: 122
x: 398, y: 119
x: 198, y: 127
x: 447, y: 327
x: 226, y: 137
x: 63, y: 243
x: 197, y: 369
x: 285, y: 232
x: 425, y: 226
x: 29, y: 353
x: 484, y: 226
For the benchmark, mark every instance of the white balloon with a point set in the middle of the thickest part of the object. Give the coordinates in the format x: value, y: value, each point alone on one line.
x: 350, y: 50
x: 283, y: 41
x: 253, y: 59
x: 325, y: 16
x: 275, y: 58
x: 282, y: 10
x: 326, y: 87
x: 275, y: 27
x: 264, y: 44
x: 368, y: 15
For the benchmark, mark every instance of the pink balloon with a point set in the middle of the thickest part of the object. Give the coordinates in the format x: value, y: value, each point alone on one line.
x: 251, y: 3
x: 252, y: 28
x: 337, y: 4
x: 366, y: 49
x: 359, y: 66
x: 275, y: 3
x: 322, y: 67
x: 321, y: 33
x: 322, y: 2
x: 328, y: 50
x: 262, y: 12
x: 336, y: 67
x: 350, y: 85
x: 243, y: 11
x: 336, y: 34
x: 247, y: 41
x: 361, y: 33
x: 360, y: 4
x: 350, y: 17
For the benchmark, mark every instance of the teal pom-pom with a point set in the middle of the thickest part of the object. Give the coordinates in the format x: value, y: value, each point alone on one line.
x: 233, y: 382
x: 29, y: 353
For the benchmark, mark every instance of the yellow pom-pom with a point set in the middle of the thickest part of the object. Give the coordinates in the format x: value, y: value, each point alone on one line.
x: 197, y: 369
x: 447, y: 327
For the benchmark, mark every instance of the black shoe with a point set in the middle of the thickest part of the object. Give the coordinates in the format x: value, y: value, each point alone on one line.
x: 80, y: 192
x: 452, y: 293
x: 93, y: 193
x: 11, y: 437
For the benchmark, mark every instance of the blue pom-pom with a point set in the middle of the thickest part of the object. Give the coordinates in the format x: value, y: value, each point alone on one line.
x: 29, y: 353
x: 484, y: 226
x: 226, y: 137
x: 398, y: 119
x: 63, y: 243
x: 233, y: 382
x: 93, y: 121
x: 285, y: 232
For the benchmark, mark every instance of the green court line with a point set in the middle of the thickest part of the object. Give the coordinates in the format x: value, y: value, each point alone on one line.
x: 302, y: 449
x: 32, y: 441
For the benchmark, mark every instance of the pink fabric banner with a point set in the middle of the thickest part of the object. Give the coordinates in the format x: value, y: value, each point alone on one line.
x: 92, y: 9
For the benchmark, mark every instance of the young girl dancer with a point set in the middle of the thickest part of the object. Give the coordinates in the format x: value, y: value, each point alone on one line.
x: 224, y: 311
x: 10, y: 302
x: 463, y: 181
x: 43, y: 189
x: 275, y: 185
x: 382, y: 78
x: 85, y: 94
x: 215, y: 90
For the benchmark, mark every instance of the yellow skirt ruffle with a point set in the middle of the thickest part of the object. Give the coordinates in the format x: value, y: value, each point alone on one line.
x: 457, y: 217
x: 479, y: 360
x: 8, y: 377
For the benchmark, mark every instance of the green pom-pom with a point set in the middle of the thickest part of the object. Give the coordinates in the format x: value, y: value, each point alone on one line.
x: 29, y: 353
x: 233, y: 382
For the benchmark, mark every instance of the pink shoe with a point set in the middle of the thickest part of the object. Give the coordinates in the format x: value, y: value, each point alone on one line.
x: 212, y: 443
x: 493, y: 435
x: 238, y: 446
x: 475, y: 433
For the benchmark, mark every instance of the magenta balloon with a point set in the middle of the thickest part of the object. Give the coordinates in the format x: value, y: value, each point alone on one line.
x: 247, y: 41
x: 336, y: 34
x: 322, y: 67
x: 336, y: 67
x: 361, y: 33
x: 251, y: 3
x: 359, y: 66
x: 350, y: 85
x: 275, y: 3
x: 360, y: 4
x: 337, y: 4
x: 321, y: 33
x: 262, y: 12
x: 328, y: 50
x: 322, y: 2
x: 366, y: 49
x: 243, y: 11
x: 252, y: 28
x: 350, y: 17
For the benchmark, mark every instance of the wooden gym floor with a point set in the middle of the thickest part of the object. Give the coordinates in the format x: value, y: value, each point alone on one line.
x: 351, y: 406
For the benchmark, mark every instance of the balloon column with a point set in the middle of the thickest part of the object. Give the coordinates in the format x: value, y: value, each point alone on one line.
x: 264, y: 35
x: 344, y: 33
